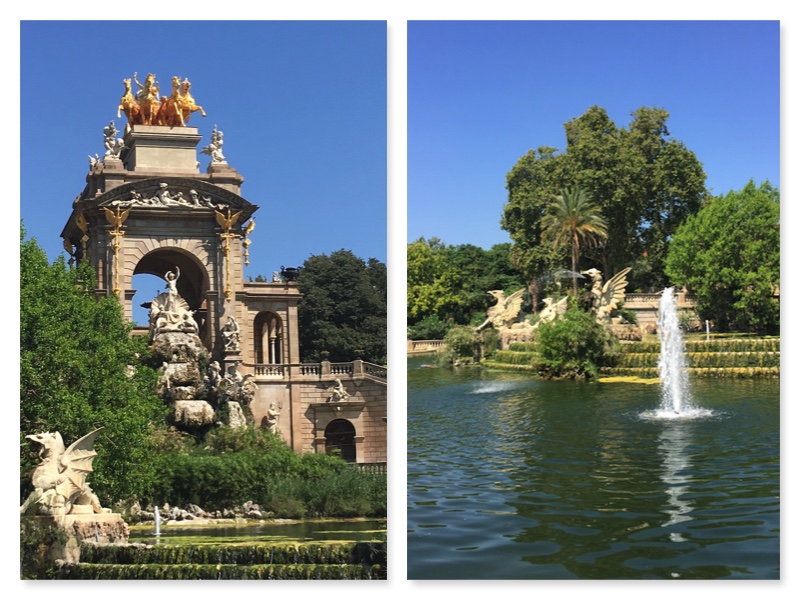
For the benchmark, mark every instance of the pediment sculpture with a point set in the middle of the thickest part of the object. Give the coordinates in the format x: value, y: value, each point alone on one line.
x: 167, y: 198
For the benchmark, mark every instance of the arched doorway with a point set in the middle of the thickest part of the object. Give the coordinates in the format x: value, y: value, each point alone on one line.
x: 340, y: 439
x: 192, y: 283
x: 268, y: 330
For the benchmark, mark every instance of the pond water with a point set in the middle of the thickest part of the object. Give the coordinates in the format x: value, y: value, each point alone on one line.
x: 510, y: 477
x: 347, y: 530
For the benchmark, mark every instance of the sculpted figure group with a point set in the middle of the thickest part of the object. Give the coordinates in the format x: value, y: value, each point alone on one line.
x: 146, y: 107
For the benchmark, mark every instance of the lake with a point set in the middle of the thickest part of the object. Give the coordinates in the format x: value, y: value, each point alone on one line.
x: 510, y: 477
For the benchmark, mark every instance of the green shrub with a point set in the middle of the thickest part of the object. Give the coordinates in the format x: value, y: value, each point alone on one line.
x: 233, y: 466
x: 575, y: 345
x: 460, y: 344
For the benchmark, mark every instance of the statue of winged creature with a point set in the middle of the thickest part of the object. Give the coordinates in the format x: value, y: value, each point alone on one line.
x: 606, y: 298
x: 505, y: 311
x: 551, y: 310
x: 60, y: 479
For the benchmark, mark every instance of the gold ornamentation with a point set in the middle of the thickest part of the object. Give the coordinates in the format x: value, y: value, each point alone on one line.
x: 83, y: 225
x: 116, y: 220
x: 246, y: 241
x: 147, y: 108
x: 227, y: 222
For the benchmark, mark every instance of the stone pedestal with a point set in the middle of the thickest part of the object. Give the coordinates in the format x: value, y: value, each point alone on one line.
x: 104, y: 528
x: 156, y: 148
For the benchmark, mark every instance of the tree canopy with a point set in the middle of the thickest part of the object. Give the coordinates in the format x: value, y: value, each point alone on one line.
x: 645, y: 182
x: 342, y: 315
x: 728, y: 254
x: 79, y: 370
x: 447, y: 285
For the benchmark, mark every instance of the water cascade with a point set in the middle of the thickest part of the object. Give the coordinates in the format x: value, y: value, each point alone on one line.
x: 157, y: 519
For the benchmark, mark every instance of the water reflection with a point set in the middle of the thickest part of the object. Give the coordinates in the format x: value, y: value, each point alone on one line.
x: 674, y: 441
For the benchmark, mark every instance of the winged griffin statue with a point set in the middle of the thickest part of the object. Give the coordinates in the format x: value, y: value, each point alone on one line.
x: 505, y: 311
x: 60, y: 479
x: 607, y: 298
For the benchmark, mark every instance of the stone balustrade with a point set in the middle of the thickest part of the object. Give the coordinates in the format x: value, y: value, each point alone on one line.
x: 423, y: 346
x: 322, y: 371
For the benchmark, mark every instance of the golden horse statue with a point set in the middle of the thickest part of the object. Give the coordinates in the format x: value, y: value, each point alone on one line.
x: 145, y: 107
x: 128, y: 105
x: 188, y: 105
x: 170, y: 113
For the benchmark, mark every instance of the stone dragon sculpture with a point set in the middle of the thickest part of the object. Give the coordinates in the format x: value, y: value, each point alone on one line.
x: 59, y: 481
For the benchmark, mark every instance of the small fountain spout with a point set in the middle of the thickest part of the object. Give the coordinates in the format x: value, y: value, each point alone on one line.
x: 157, y: 518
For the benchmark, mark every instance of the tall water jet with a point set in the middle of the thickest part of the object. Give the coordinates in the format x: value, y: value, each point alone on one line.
x: 671, y: 363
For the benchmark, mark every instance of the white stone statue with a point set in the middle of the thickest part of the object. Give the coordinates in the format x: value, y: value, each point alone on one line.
x: 231, y: 335
x: 272, y: 418
x: 169, y: 312
x: 606, y: 298
x: 551, y: 310
x: 60, y: 479
x: 214, y: 149
x: 338, y: 393
x: 505, y: 311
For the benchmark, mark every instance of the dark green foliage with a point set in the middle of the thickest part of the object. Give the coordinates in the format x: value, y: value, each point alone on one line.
x: 449, y: 284
x: 36, y: 538
x: 343, y: 310
x: 728, y: 255
x: 232, y: 466
x: 430, y: 328
x: 75, y: 350
x: 575, y: 345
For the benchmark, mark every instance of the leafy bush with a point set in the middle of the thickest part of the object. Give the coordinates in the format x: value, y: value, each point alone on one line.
x: 459, y: 344
x: 233, y: 466
x: 575, y: 345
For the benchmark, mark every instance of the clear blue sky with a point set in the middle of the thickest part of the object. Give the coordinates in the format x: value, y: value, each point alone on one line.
x: 302, y: 106
x: 482, y: 93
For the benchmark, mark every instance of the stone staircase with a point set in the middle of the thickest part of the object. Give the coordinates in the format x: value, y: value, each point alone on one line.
x: 290, y: 561
x: 717, y: 357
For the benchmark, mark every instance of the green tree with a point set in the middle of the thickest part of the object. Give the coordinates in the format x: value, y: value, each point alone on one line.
x: 574, y: 220
x: 645, y: 182
x: 531, y: 184
x: 728, y: 254
x: 79, y: 370
x: 431, y: 281
x: 449, y: 284
x: 342, y: 315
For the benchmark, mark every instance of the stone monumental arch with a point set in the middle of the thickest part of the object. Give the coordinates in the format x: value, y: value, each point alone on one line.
x: 147, y: 208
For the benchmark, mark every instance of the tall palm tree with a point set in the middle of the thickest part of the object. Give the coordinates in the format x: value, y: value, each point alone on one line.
x: 574, y: 219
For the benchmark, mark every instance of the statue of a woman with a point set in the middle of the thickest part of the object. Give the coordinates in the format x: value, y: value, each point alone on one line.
x: 172, y: 289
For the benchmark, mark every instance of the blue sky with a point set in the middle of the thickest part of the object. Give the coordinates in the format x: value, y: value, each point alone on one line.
x: 482, y: 93
x: 302, y: 106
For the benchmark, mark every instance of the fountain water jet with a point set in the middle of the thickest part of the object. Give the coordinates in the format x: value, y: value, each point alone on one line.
x: 675, y: 397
